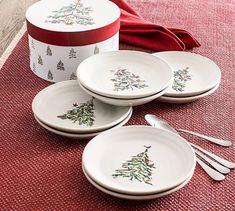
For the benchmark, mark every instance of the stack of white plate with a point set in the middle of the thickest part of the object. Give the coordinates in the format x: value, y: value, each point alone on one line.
x: 65, y: 109
x: 151, y: 164
x: 195, y: 76
x: 125, y: 77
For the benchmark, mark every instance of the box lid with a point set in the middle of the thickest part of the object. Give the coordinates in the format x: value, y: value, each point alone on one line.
x: 72, y: 22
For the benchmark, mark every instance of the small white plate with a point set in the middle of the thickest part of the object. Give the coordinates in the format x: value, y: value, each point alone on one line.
x: 124, y: 102
x: 181, y: 100
x: 193, y: 73
x: 136, y: 197
x: 124, y: 74
x: 65, y: 106
x: 138, y: 160
x: 81, y: 135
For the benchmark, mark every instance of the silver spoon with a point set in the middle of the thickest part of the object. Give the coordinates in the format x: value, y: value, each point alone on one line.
x: 210, y: 171
x: 222, y: 169
x: 160, y: 123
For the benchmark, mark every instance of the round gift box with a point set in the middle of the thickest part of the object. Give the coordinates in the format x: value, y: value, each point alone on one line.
x: 63, y: 33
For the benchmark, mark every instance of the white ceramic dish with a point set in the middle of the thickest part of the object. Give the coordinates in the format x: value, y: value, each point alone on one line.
x: 181, y: 100
x: 136, y: 197
x: 151, y: 161
x: 124, y: 74
x: 81, y: 135
x: 61, y: 104
x: 125, y: 102
x: 193, y: 74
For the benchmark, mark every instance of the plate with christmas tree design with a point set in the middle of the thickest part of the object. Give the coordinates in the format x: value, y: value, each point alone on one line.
x: 66, y: 107
x: 136, y: 197
x: 193, y: 74
x: 80, y: 135
x: 138, y: 160
x: 125, y: 102
x: 124, y: 74
x: 181, y: 100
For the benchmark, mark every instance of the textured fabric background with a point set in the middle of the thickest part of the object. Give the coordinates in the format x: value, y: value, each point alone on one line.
x: 42, y: 171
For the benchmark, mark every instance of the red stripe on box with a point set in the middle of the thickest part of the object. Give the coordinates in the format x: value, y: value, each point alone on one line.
x: 73, y: 38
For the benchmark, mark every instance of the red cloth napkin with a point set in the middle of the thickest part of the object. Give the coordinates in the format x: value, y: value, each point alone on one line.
x: 138, y: 32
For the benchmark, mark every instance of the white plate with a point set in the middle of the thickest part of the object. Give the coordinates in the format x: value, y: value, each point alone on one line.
x: 58, y: 99
x: 124, y: 74
x: 181, y: 100
x: 169, y: 161
x: 124, y: 102
x: 137, y: 197
x: 193, y: 73
x: 81, y: 135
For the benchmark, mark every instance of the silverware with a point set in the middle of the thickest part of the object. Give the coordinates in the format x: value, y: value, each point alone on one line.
x: 161, y: 122
x: 221, y: 142
x: 216, y: 175
x: 222, y: 169
x: 210, y: 171
x: 220, y: 160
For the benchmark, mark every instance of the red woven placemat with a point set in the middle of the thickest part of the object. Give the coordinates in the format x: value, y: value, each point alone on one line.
x: 42, y: 171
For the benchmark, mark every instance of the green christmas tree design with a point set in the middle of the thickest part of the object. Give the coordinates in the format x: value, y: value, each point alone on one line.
x: 125, y: 80
x: 72, y: 54
x: 96, y: 50
x: 40, y: 60
x: 73, y: 76
x: 83, y: 114
x: 73, y: 13
x: 34, y: 67
x: 49, y: 75
x: 139, y: 168
x: 49, y: 52
x: 60, y: 65
x: 180, y: 79
x: 32, y: 44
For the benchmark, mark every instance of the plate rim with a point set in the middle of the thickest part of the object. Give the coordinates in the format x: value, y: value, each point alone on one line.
x: 179, y: 100
x: 71, y: 83
x: 123, y: 96
x: 136, y: 197
x: 123, y: 102
x: 81, y: 135
x: 187, y: 94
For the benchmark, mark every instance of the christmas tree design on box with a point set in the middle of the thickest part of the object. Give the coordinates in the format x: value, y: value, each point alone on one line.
x: 49, y: 52
x: 73, y: 13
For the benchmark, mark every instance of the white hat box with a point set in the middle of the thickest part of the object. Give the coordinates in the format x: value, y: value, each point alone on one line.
x: 63, y: 33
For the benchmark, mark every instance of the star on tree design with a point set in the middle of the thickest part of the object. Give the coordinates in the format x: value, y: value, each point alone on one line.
x: 40, y: 60
x: 49, y: 52
x: 49, y: 75
x: 60, y: 65
x: 180, y: 79
x: 139, y: 168
x: 83, y: 114
x: 125, y: 80
x: 73, y: 13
